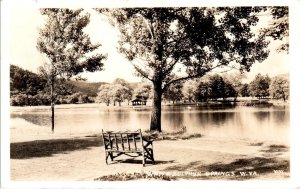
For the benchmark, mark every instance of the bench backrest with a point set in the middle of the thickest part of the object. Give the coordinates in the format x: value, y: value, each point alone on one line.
x: 123, y: 141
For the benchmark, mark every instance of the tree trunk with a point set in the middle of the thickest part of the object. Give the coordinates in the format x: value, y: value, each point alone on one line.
x: 155, y: 124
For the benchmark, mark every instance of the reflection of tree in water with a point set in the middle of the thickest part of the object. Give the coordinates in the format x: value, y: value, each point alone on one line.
x: 121, y: 116
x: 172, y: 121
x: 37, y: 119
x: 262, y: 115
x: 214, y: 118
x: 281, y: 117
x: 124, y: 119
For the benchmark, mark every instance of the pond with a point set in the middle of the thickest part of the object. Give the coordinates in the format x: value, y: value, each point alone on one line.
x: 267, y: 123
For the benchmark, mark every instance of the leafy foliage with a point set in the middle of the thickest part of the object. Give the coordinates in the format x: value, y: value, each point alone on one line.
x: 118, y: 91
x: 68, y: 49
x: 87, y: 88
x: 203, y: 91
x: 142, y: 91
x: 259, y: 87
x: 279, y: 88
x: 279, y: 26
x: 162, y: 41
x: 104, y: 94
x: 189, y: 90
x: 244, y: 90
x: 174, y: 92
x: 25, y: 87
x: 158, y: 39
x: 215, y: 87
x: 25, y: 82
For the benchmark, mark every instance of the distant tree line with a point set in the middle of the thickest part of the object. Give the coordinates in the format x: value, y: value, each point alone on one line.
x: 213, y: 87
x: 28, y: 88
x: 216, y: 87
x: 31, y: 89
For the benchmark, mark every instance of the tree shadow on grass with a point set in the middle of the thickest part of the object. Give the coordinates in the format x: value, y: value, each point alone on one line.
x: 259, y: 165
x: 46, y: 148
x: 139, y: 161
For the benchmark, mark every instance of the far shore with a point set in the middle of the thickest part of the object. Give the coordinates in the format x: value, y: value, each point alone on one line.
x: 240, y: 102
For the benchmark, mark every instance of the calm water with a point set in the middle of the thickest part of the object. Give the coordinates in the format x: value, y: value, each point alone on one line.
x: 270, y: 123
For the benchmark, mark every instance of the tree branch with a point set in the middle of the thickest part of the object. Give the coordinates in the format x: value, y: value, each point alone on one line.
x: 190, y: 76
x: 143, y: 73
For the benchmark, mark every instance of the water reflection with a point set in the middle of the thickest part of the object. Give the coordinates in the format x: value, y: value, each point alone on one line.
x: 37, y: 119
x: 243, y: 122
x: 262, y: 115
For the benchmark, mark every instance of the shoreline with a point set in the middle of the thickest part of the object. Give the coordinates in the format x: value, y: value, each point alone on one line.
x: 14, y: 109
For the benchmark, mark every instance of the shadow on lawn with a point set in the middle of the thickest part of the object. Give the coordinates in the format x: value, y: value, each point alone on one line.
x: 45, y: 148
x: 260, y: 165
x: 139, y: 161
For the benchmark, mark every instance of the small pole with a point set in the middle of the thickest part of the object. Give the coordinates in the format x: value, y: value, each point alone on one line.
x: 52, y: 100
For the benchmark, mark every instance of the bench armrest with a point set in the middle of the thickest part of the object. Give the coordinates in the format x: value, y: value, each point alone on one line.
x: 148, y: 139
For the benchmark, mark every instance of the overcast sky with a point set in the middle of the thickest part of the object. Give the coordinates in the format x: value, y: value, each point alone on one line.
x: 24, y: 24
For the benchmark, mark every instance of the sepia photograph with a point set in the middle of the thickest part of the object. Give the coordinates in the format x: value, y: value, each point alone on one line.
x: 131, y: 94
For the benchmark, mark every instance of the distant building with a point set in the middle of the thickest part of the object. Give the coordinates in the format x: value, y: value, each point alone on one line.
x: 138, y: 102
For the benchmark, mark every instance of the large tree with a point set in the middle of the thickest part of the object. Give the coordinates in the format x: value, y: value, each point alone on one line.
x: 168, y: 45
x: 68, y: 49
x: 142, y: 91
x: 126, y: 90
x: 279, y: 87
x: 105, y: 94
x: 244, y: 90
x: 259, y: 87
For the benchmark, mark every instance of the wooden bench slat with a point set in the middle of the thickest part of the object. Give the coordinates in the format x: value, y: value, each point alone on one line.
x: 134, y: 142
x: 128, y: 141
x: 115, y: 136
x: 122, y: 142
x: 110, y: 142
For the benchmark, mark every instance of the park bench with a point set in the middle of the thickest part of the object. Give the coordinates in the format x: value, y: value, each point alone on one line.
x: 130, y: 143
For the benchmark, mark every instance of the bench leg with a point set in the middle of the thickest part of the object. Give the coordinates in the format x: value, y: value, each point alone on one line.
x: 149, y: 154
x: 106, y: 157
x: 144, y: 159
x: 108, y: 154
x: 111, y: 156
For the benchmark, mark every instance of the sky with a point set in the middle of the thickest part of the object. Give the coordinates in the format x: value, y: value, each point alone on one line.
x: 25, y: 22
